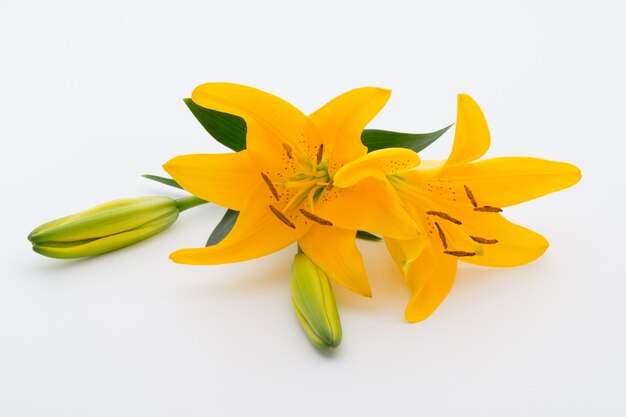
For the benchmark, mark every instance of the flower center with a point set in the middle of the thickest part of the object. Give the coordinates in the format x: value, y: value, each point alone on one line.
x: 442, y: 207
x: 301, y: 190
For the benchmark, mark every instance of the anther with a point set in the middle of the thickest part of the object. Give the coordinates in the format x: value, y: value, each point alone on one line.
x: 320, y: 153
x: 330, y: 185
x: 441, y: 236
x: 470, y: 195
x: 282, y: 217
x: 444, y: 216
x: 488, y: 209
x: 270, y: 186
x: 288, y: 150
x: 315, y: 218
x: 459, y: 253
x: 483, y: 240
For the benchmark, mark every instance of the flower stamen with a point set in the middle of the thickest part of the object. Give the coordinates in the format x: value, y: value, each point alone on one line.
x: 444, y: 216
x: 488, y: 209
x: 315, y: 218
x: 470, y: 195
x: 483, y: 240
x: 459, y: 253
x: 270, y: 186
x: 320, y: 153
x: 441, y: 236
x: 282, y: 217
x: 288, y: 150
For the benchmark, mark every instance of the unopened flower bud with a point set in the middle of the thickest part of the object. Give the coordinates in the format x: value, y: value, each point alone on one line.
x: 107, y: 227
x: 314, y: 303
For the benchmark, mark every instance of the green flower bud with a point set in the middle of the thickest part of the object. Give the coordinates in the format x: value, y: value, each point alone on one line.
x: 314, y: 303
x: 107, y: 227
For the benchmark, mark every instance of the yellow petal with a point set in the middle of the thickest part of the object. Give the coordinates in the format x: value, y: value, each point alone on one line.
x: 471, y: 138
x: 224, y: 179
x: 334, y: 250
x: 503, y: 182
x: 405, y: 252
x: 516, y: 245
x: 341, y: 121
x: 377, y: 164
x: 257, y: 232
x: 271, y: 122
x: 371, y: 205
x: 431, y: 277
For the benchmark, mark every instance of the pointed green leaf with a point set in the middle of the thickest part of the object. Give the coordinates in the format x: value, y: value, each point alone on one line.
x: 362, y: 234
x: 381, y: 139
x: 162, y: 180
x: 227, y: 129
x: 223, y: 227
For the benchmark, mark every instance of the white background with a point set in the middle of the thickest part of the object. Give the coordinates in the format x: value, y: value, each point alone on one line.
x: 90, y: 98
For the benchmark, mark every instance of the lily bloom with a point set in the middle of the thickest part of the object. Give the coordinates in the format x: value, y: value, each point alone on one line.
x: 457, y: 204
x: 282, y: 183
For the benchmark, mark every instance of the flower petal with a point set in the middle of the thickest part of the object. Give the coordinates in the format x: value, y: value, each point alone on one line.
x: 224, y: 179
x: 371, y: 205
x: 404, y: 252
x: 430, y: 277
x: 515, y: 245
x: 271, y: 122
x: 334, y: 250
x: 377, y: 164
x: 471, y: 137
x: 503, y: 182
x: 342, y: 120
x: 257, y: 232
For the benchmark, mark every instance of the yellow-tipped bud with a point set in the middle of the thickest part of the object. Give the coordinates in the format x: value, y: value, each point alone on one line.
x: 314, y: 303
x: 107, y: 227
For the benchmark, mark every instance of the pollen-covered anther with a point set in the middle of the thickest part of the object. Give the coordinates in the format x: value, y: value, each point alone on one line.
x: 484, y: 241
x: 270, y: 186
x: 320, y: 154
x: 315, y: 218
x: 470, y: 195
x: 459, y: 253
x: 488, y: 209
x: 282, y: 217
x: 444, y: 216
x: 442, y: 236
x: 287, y: 149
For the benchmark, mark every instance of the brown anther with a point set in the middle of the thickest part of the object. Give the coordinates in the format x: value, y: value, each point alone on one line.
x: 288, y: 150
x: 282, y: 217
x: 270, y: 186
x: 444, y: 216
x: 320, y: 153
x: 483, y: 240
x: 488, y: 209
x: 470, y: 195
x: 459, y: 253
x: 441, y: 236
x: 315, y: 218
x: 330, y: 185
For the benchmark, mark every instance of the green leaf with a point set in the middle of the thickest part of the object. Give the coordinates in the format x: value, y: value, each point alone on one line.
x: 381, y: 139
x: 163, y: 180
x: 223, y: 227
x: 362, y: 234
x: 227, y: 129
x: 230, y: 131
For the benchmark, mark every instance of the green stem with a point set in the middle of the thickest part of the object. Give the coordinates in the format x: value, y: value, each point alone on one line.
x: 189, y: 202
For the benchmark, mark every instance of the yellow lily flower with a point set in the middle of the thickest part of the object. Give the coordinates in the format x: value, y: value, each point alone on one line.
x: 282, y: 183
x: 457, y: 204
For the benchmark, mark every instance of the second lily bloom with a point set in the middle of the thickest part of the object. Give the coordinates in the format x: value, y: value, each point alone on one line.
x: 457, y: 205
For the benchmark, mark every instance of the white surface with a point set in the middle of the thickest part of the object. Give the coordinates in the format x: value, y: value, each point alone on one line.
x: 91, y: 98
